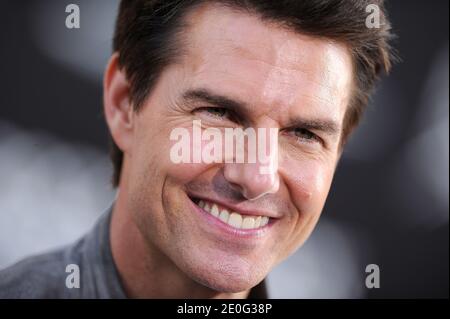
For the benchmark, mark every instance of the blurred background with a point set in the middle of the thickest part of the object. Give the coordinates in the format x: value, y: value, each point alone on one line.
x: 389, y: 204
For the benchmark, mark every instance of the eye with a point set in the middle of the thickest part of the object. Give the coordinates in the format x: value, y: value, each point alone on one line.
x: 215, y: 112
x: 303, y: 134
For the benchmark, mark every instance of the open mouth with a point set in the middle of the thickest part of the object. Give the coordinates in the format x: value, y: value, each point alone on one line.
x: 232, y: 218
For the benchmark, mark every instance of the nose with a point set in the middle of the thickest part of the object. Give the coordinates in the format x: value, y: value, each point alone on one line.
x: 248, y: 179
x: 260, y: 176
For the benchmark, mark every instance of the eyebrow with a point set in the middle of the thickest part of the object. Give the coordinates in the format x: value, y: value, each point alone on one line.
x: 203, y: 95
x: 326, y: 126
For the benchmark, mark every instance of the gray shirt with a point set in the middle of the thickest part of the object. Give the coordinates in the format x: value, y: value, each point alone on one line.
x: 44, y: 276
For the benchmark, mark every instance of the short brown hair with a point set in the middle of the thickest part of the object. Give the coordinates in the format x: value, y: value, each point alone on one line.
x: 146, y: 29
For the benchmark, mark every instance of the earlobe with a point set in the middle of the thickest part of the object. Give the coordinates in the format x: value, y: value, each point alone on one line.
x: 117, y: 105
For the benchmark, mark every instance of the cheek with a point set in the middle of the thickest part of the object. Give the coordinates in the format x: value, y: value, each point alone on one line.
x: 181, y: 174
x: 308, y: 183
x: 185, y: 157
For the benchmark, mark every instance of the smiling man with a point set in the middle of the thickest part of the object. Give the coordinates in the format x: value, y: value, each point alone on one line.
x: 216, y: 229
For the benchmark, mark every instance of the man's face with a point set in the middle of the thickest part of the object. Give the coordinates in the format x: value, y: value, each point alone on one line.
x: 275, y: 79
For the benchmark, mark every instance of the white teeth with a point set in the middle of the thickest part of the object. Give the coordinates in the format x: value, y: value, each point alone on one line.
x: 248, y: 223
x: 257, y: 222
x: 264, y: 221
x: 224, y: 216
x: 234, y: 219
x: 215, y: 210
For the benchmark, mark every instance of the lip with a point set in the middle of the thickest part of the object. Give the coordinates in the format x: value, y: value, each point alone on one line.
x: 233, y: 208
x: 226, y: 231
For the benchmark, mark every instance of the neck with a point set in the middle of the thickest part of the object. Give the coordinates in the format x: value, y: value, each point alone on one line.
x: 145, y: 271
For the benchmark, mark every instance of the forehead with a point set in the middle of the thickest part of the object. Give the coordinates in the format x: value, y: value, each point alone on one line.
x: 239, y: 55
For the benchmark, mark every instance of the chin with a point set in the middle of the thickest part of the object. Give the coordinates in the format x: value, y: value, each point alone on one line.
x: 226, y: 277
x: 226, y: 284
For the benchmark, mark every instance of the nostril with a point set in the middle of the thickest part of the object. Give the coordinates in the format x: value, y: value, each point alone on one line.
x: 236, y: 187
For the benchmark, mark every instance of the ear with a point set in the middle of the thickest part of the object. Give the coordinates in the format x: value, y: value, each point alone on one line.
x: 116, y: 102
